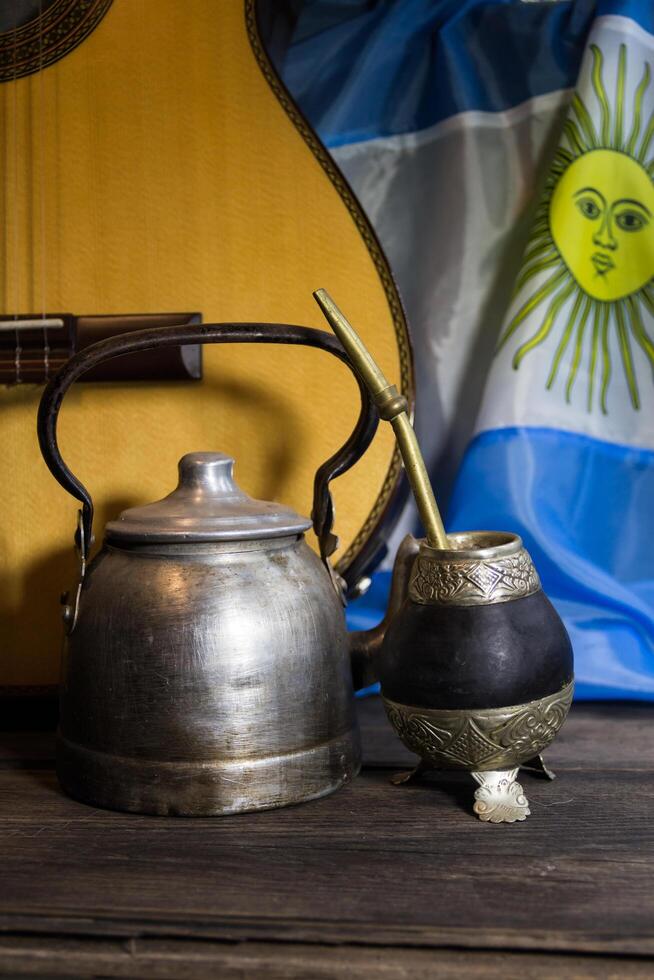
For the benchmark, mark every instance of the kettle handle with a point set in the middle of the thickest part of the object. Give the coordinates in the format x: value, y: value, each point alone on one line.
x: 322, y: 513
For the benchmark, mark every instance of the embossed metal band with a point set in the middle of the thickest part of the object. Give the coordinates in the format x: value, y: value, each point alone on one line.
x: 473, y: 582
x: 495, y: 738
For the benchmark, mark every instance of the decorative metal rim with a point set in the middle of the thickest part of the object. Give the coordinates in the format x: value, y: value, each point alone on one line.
x: 48, y: 37
x: 484, y: 576
x: 475, y: 544
x: 394, y: 489
x: 481, y: 739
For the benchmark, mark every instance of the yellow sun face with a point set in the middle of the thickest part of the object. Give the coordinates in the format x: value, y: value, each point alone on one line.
x: 588, y: 271
x: 602, y: 222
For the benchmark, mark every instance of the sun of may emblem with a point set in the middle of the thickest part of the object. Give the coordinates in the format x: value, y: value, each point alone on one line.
x: 594, y: 238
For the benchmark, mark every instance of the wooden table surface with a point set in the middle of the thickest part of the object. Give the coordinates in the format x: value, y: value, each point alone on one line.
x: 375, y: 880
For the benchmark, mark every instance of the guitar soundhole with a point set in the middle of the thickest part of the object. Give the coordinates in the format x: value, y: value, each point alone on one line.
x: 36, y: 33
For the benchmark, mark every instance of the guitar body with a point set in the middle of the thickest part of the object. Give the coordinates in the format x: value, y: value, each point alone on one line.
x: 153, y: 169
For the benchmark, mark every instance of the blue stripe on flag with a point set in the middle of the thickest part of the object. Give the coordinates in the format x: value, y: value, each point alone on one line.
x: 388, y: 68
x: 640, y: 11
x: 585, y: 510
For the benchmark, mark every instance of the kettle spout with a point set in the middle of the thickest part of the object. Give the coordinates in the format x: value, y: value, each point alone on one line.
x: 366, y: 644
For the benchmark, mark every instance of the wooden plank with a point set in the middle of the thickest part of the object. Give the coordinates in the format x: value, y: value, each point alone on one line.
x: 164, y: 959
x: 603, y: 815
x: 22, y: 750
x: 371, y: 864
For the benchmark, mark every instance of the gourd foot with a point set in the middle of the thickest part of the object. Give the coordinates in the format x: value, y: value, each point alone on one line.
x: 538, y: 767
x: 500, y: 798
x: 411, y: 775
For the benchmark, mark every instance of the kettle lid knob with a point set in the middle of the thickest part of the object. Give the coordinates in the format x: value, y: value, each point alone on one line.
x: 212, y: 473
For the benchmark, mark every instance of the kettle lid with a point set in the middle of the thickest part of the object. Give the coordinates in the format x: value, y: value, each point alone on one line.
x: 206, y: 506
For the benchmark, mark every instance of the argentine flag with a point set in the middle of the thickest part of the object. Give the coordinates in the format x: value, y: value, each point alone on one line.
x: 504, y: 152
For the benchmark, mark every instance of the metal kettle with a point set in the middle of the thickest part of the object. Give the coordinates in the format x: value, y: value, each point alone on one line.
x: 207, y: 661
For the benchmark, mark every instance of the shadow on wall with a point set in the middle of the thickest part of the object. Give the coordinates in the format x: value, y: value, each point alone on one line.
x: 31, y: 628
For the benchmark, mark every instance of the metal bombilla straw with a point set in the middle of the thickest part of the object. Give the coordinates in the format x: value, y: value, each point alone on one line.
x: 393, y: 408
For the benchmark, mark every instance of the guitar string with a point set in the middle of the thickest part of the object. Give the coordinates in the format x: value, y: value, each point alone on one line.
x: 18, y: 350
x: 46, y: 343
x: 16, y: 209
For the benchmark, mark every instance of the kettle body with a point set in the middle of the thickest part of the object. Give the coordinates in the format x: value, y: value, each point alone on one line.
x: 207, y: 661
x: 207, y: 677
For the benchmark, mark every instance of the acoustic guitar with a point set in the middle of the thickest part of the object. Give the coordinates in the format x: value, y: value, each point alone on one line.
x: 154, y: 163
